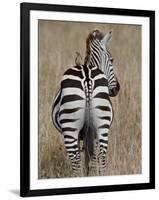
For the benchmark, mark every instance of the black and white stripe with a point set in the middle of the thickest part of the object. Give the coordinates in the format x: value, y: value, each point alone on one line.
x: 82, y: 107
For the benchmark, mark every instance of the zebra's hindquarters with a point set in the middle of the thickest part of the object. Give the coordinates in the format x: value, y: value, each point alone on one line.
x: 102, y: 116
x: 71, y: 119
x: 83, y: 104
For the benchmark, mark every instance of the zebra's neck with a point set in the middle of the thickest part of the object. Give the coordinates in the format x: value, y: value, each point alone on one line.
x: 97, y: 61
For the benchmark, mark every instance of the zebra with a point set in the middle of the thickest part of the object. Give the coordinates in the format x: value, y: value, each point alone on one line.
x: 82, y: 109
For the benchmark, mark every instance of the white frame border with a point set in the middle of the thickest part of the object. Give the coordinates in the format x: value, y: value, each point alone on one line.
x: 36, y: 183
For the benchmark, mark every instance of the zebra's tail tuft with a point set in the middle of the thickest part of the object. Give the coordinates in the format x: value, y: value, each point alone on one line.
x: 88, y: 142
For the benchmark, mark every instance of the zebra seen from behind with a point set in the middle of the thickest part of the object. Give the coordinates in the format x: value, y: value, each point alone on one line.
x: 82, y: 109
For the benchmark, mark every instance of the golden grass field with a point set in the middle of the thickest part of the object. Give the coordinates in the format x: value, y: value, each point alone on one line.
x: 58, y: 42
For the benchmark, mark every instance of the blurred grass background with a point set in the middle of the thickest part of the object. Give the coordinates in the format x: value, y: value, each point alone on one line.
x: 58, y: 42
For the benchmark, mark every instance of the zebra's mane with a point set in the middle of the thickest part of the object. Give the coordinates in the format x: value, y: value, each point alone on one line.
x: 96, y: 34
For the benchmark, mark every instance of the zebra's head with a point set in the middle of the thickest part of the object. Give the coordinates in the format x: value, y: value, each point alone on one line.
x: 97, y: 55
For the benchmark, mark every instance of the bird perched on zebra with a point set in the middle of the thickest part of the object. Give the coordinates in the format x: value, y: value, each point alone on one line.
x: 82, y: 109
x: 78, y: 59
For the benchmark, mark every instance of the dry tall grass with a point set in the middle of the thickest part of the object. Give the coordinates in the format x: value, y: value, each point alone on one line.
x: 58, y: 42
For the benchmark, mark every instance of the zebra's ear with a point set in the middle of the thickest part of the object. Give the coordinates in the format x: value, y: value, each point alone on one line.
x: 106, y: 38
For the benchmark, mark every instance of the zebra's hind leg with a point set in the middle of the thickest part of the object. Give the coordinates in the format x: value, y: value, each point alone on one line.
x: 94, y: 161
x: 103, y: 146
x: 73, y: 151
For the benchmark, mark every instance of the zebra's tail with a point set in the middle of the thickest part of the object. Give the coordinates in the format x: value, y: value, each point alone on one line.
x: 88, y: 139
